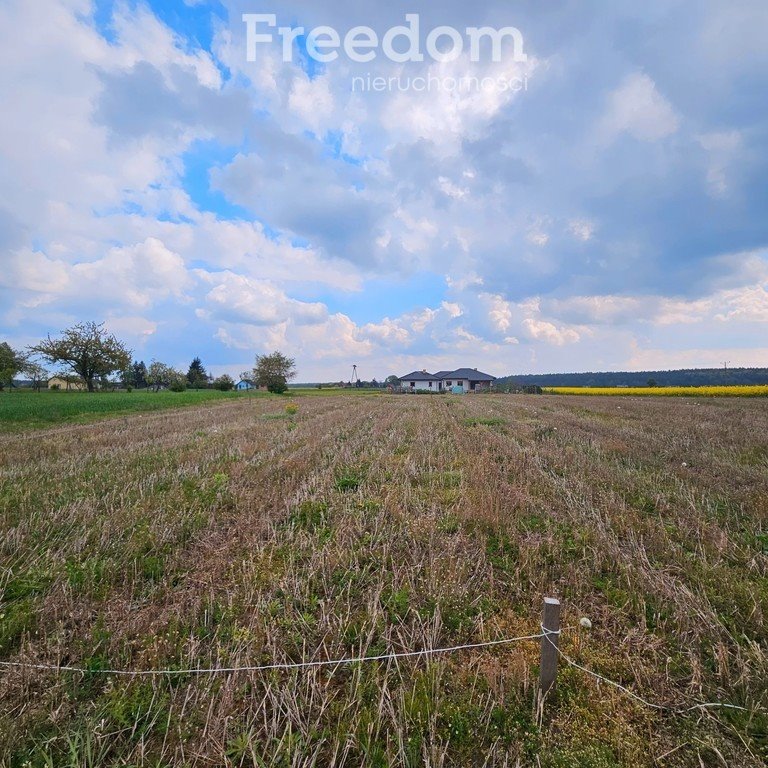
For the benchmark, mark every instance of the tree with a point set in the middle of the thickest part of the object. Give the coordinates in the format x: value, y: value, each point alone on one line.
x: 392, y: 381
x: 225, y: 383
x: 197, y: 376
x: 159, y: 375
x: 11, y: 363
x: 88, y: 350
x: 136, y: 376
x: 36, y: 373
x: 178, y: 381
x: 274, y: 372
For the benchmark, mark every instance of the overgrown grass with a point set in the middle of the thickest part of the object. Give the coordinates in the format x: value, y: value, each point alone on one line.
x: 218, y: 537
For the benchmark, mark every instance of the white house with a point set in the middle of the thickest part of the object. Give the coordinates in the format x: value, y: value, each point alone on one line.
x: 459, y: 381
x: 244, y: 385
x: 420, y: 380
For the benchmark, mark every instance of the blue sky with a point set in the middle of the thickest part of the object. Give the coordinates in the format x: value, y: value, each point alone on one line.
x: 610, y: 214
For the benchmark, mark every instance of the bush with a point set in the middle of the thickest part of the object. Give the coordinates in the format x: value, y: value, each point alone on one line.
x: 277, y: 385
x: 224, y: 383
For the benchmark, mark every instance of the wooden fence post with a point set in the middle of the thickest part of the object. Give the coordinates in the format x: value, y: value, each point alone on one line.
x: 549, y: 644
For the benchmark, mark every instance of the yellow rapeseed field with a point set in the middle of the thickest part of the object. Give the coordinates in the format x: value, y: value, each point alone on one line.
x: 760, y: 390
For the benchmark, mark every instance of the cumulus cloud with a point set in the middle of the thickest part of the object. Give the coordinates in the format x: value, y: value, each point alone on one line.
x: 238, y: 299
x: 636, y: 107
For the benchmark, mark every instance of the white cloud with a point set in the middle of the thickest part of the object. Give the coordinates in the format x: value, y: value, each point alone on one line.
x: 463, y: 98
x: 500, y: 313
x: 137, y: 331
x: 543, y: 330
x: 238, y: 299
x: 582, y: 229
x: 451, y: 189
x: 312, y: 101
x: 636, y: 107
x: 722, y: 148
x: 135, y: 276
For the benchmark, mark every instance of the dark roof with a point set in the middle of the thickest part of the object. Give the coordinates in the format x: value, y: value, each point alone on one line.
x: 442, y: 374
x: 418, y: 376
x: 469, y: 373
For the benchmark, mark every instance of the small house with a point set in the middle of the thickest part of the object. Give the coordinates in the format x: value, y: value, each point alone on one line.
x: 60, y: 382
x: 420, y: 381
x: 458, y: 382
x: 467, y: 380
x: 244, y: 385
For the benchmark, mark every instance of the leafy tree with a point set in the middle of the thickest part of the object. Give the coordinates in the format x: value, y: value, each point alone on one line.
x: 197, y: 375
x: 651, y: 383
x: 136, y: 376
x: 392, y: 381
x: 159, y: 375
x: 11, y: 363
x: 274, y: 372
x: 37, y: 373
x: 88, y: 350
x: 178, y: 381
x: 225, y: 383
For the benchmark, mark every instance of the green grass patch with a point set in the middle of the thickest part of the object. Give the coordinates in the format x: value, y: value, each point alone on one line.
x: 484, y: 422
x: 21, y: 411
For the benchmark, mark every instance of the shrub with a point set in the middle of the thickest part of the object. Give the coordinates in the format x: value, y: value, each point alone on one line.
x: 277, y: 385
x: 224, y: 383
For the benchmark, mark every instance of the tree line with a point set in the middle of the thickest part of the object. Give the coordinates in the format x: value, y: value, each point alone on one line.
x: 88, y: 355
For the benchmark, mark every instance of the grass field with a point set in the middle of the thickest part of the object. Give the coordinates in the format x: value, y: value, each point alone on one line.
x: 240, y: 534
x: 26, y: 409
x: 759, y: 390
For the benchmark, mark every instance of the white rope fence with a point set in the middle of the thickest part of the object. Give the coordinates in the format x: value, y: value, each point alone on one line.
x: 268, y: 667
x: 548, y: 635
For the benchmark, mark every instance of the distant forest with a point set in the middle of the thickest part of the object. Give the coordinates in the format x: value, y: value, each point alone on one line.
x: 693, y: 377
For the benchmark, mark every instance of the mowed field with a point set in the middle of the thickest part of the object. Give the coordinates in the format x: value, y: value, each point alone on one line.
x: 755, y: 390
x: 235, y: 534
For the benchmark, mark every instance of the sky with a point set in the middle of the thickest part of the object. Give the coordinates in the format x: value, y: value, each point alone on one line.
x: 608, y: 212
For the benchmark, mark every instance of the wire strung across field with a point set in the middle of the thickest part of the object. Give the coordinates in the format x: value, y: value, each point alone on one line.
x: 267, y: 667
x: 544, y: 634
x: 680, y: 709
